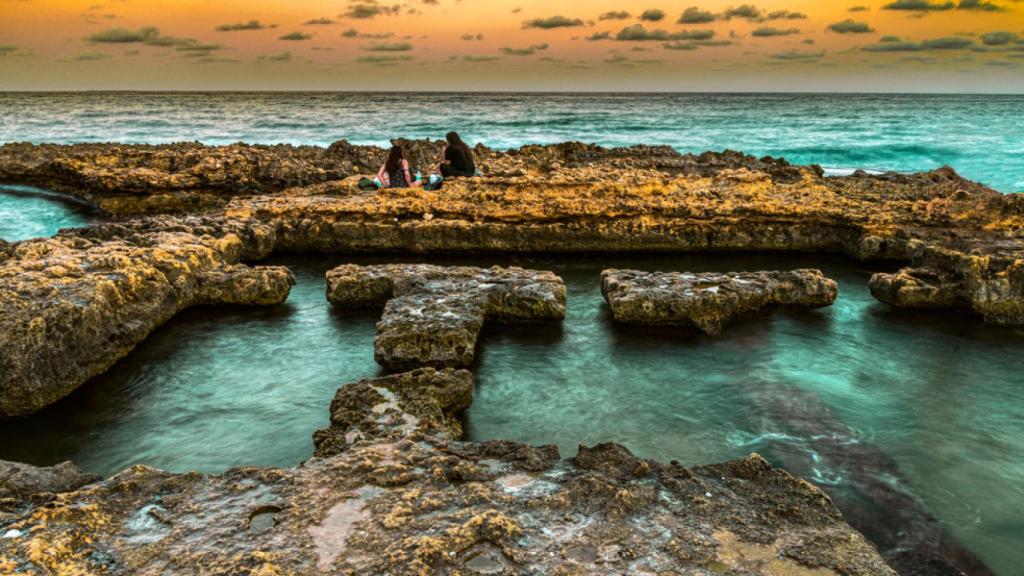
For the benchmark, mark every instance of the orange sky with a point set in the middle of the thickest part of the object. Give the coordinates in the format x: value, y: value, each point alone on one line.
x: 970, y: 46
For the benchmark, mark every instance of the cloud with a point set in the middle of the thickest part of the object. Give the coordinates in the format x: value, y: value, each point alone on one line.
x: 125, y: 36
x: 250, y: 25
x: 8, y: 50
x: 393, y: 47
x: 615, y: 15
x: 319, y: 22
x: 694, y: 15
x: 680, y: 46
x: 296, y: 36
x: 285, y: 56
x: 528, y: 51
x: 948, y: 43
x: 653, y: 15
x: 473, y: 58
x: 748, y: 11
x: 849, y: 26
x: 769, y: 31
x: 599, y: 36
x: 622, y: 60
x: 369, y: 9
x: 893, y: 44
x: 384, y: 59
x: 919, y: 5
x: 553, y: 22
x: 858, y: 9
x: 472, y: 37
x: 998, y: 38
x: 979, y: 5
x: 637, y: 33
x: 798, y: 56
x: 786, y: 15
x: 90, y: 56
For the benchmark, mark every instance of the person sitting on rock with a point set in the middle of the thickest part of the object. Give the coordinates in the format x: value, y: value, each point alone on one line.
x: 395, y: 171
x: 456, y: 157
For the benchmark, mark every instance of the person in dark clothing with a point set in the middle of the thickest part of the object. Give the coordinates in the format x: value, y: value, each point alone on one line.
x: 457, y: 158
x: 395, y: 171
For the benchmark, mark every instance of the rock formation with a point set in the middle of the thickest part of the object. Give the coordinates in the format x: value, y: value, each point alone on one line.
x: 709, y: 300
x: 407, y: 498
x: 987, y: 283
x: 433, y: 314
x: 21, y: 482
x: 72, y: 305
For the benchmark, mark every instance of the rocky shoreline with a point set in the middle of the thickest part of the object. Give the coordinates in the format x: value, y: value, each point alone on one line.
x: 391, y: 465
x: 392, y: 490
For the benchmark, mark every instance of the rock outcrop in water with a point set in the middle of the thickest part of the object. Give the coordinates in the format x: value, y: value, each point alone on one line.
x: 72, y: 305
x: 990, y: 284
x: 434, y: 314
x: 709, y: 300
x: 409, y: 499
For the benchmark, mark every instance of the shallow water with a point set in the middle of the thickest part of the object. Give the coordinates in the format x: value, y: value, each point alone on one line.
x: 27, y: 212
x: 981, y: 136
x: 852, y: 396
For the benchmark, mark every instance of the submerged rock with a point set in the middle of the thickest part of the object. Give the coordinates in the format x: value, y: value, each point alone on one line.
x: 433, y: 314
x: 991, y: 285
x: 709, y: 300
x: 72, y: 305
x: 413, y: 500
x: 865, y: 482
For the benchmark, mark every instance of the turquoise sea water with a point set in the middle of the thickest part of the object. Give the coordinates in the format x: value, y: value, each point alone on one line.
x: 980, y: 136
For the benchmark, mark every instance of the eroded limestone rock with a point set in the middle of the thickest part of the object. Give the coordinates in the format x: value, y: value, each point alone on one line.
x: 433, y: 314
x: 72, y: 305
x: 415, y: 501
x: 989, y: 284
x: 709, y: 300
x: 426, y: 401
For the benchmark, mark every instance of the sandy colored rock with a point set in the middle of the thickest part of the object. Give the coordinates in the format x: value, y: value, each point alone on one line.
x: 72, y: 305
x: 433, y: 314
x: 989, y: 284
x: 709, y: 300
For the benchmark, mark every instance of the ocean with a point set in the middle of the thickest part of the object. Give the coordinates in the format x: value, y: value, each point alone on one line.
x: 982, y: 137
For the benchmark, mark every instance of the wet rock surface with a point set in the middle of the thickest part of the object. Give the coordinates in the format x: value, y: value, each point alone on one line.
x: 434, y: 314
x: 21, y: 482
x: 72, y: 305
x: 709, y: 300
x: 424, y: 401
x: 413, y: 500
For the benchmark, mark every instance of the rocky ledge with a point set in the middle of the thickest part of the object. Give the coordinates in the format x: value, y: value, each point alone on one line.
x: 400, y: 495
x: 72, y: 305
x: 988, y: 282
x: 709, y: 300
x: 433, y: 314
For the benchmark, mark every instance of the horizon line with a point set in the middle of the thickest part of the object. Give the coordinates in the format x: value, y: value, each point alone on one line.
x: 520, y: 92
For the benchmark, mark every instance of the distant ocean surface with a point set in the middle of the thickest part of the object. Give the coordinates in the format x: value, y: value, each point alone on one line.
x: 982, y: 137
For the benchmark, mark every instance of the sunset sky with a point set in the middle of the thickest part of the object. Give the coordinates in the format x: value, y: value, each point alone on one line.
x: 689, y: 45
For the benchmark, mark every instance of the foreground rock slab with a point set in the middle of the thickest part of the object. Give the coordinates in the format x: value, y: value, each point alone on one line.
x: 988, y: 284
x: 72, y: 305
x: 709, y: 300
x: 433, y: 314
x: 407, y: 498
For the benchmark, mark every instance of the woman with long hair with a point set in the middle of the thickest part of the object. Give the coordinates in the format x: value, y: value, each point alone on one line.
x: 395, y: 171
x: 456, y: 158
